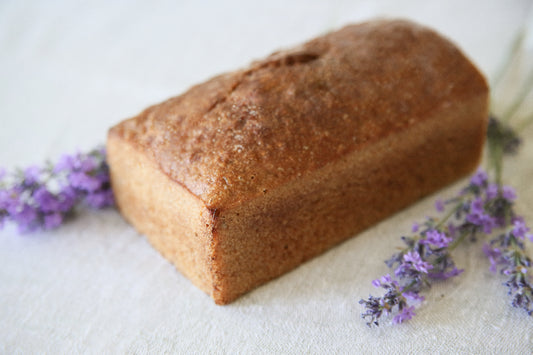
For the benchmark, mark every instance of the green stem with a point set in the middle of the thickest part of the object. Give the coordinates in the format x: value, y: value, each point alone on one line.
x: 408, y: 287
x: 498, y: 168
x: 520, y: 99
x: 457, y: 241
x: 495, y: 157
x: 511, y: 54
x: 442, y: 221
x: 450, y: 213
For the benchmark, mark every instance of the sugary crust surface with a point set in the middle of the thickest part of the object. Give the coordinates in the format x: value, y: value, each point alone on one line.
x: 242, y: 134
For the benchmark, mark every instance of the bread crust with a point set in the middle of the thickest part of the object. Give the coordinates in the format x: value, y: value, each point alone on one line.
x: 301, y: 150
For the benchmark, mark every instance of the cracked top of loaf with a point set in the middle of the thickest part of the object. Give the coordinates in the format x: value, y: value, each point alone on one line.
x: 241, y: 134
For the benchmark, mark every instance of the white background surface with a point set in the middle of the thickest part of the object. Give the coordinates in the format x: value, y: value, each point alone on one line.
x: 69, y: 70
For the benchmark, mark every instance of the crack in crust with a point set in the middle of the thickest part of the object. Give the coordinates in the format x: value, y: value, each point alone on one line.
x: 287, y: 59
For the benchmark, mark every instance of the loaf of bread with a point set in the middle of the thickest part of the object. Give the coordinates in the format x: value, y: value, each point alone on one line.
x: 247, y: 175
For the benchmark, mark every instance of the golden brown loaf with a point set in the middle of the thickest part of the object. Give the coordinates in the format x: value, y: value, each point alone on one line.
x: 249, y: 174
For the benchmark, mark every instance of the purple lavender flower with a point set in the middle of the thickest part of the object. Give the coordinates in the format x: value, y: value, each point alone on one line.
x: 414, y: 259
x: 26, y: 218
x: 67, y: 198
x: 9, y: 200
x: 436, y: 238
x: 47, y: 201
x: 480, y: 178
x: 478, y: 217
x: 375, y: 308
x: 439, y: 205
x: 53, y: 220
x: 29, y: 202
x: 508, y: 193
x: 506, y: 250
x: 4, y: 199
x: 100, y: 199
x: 65, y: 163
x: 414, y: 296
x: 492, y: 191
x: 87, y: 164
x: 476, y: 207
x: 384, y: 280
x: 2, y: 173
x: 520, y: 229
x: 387, y: 279
x: 379, y: 306
x: 521, y: 291
x: 82, y: 181
x: 415, y: 227
x: 405, y: 314
x: 32, y: 174
x: 494, y: 255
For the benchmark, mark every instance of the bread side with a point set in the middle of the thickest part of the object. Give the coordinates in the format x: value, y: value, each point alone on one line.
x: 247, y: 175
x: 176, y: 223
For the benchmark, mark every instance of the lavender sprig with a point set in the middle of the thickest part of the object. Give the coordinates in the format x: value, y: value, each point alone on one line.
x: 479, y: 209
x: 427, y: 255
x: 507, y: 251
x: 507, y: 248
x: 40, y: 198
x: 484, y: 208
x: 396, y: 296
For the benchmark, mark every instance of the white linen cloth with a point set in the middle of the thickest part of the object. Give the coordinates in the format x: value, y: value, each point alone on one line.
x: 71, y: 69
